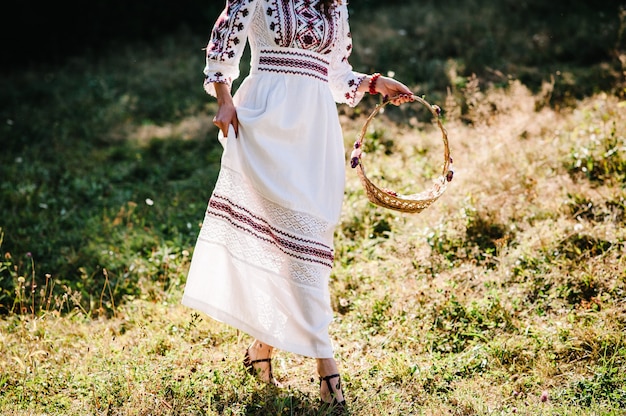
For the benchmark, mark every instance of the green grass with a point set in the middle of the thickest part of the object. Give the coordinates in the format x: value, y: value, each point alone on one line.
x: 505, y: 297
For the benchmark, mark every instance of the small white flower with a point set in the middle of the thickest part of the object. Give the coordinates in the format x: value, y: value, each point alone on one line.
x: 149, y: 202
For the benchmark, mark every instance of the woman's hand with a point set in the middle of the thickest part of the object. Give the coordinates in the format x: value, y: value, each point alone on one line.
x: 391, y: 89
x: 394, y: 90
x: 226, y: 111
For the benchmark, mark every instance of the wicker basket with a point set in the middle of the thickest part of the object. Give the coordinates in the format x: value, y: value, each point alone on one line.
x: 386, y: 198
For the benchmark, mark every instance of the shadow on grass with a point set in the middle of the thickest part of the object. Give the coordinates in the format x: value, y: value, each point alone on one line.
x: 269, y: 400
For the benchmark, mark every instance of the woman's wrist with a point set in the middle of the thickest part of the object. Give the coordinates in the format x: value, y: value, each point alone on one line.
x: 371, y: 86
x: 222, y: 92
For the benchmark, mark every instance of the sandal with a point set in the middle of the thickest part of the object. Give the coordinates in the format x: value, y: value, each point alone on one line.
x: 256, y: 372
x: 335, y: 407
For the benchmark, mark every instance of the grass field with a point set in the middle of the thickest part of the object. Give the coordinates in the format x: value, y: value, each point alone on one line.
x: 507, y: 296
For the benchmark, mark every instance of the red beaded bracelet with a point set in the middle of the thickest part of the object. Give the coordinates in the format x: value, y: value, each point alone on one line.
x: 372, y: 86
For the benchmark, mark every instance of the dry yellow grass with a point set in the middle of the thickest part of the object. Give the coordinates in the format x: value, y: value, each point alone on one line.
x: 469, y: 308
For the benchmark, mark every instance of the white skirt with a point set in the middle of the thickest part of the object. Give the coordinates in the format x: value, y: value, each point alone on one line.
x: 265, y: 251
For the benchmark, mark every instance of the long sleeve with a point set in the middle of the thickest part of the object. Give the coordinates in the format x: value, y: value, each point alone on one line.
x: 344, y: 82
x: 228, y: 40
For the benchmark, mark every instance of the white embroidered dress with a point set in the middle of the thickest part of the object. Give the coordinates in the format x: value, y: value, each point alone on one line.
x: 265, y: 251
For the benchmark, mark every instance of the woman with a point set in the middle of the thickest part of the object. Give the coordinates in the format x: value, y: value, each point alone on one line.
x: 264, y: 254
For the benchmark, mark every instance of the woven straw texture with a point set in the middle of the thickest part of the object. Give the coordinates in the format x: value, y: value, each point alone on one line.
x: 385, y: 198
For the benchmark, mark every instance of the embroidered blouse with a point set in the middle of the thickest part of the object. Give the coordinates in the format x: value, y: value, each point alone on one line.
x: 283, y: 24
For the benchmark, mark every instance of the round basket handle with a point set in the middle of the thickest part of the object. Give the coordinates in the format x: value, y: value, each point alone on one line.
x: 389, y: 199
x: 435, y: 110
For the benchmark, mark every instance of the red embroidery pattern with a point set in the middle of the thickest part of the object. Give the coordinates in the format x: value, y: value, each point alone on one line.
x: 352, y: 87
x: 284, y: 24
x: 353, y: 81
x: 217, y: 77
x: 224, y: 36
x: 298, y: 24
x: 292, y: 62
x: 290, y: 244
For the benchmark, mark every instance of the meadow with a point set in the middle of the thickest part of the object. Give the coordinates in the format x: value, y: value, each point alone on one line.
x: 507, y: 296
